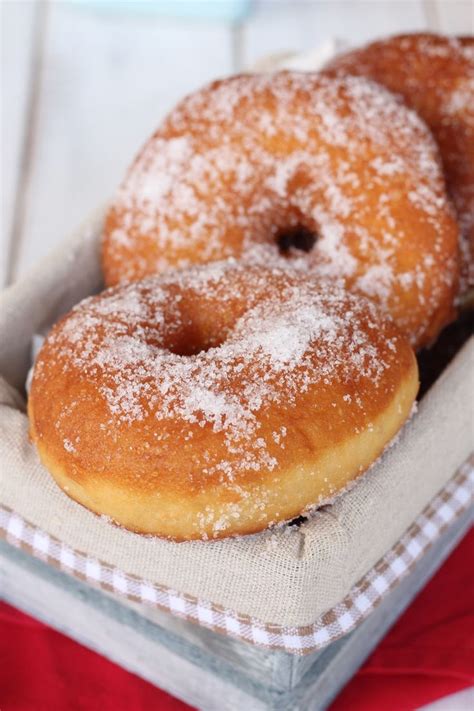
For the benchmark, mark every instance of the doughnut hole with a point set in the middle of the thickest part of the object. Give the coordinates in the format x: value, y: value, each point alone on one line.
x: 297, y: 237
x: 196, y: 323
x: 192, y: 339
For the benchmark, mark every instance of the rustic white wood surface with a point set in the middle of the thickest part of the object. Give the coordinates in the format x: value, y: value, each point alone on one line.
x: 83, y: 86
x: 18, y: 42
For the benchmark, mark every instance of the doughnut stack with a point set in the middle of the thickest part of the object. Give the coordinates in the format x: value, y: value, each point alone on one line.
x: 278, y: 250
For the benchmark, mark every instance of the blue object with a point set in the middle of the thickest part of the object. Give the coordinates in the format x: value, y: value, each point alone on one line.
x: 225, y: 10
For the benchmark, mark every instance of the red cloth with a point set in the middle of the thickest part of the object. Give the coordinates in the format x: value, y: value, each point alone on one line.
x: 428, y: 654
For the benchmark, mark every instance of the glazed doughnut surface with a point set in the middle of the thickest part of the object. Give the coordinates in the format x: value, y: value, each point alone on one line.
x: 435, y: 76
x: 335, y: 166
x: 219, y: 400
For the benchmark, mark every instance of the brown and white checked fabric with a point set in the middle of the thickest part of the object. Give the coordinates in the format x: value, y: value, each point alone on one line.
x: 455, y: 498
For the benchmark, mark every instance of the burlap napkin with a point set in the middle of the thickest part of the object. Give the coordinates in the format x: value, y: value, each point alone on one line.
x: 289, y: 576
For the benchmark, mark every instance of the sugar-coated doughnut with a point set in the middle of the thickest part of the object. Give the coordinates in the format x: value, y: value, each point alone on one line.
x: 217, y: 400
x: 434, y: 75
x: 335, y: 166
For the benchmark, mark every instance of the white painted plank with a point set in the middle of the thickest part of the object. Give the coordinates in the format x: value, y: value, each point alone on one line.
x: 455, y: 16
x: 300, y: 25
x: 108, y: 79
x: 17, y: 32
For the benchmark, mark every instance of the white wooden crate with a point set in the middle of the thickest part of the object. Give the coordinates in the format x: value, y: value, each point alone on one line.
x: 205, y: 669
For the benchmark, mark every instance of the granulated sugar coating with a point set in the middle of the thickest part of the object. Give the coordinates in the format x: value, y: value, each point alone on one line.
x: 336, y: 166
x: 435, y: 76
x: 219, y: 399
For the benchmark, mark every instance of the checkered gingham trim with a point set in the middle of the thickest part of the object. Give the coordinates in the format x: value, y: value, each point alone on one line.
x: 451, y: 502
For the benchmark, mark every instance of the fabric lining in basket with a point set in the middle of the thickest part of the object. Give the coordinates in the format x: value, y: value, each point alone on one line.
x: 308, y: 569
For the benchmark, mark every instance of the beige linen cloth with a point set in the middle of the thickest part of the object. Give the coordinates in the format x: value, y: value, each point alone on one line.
x: 289, y: 576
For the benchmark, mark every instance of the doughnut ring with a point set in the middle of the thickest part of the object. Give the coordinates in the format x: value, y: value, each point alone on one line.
x: 337, y: 168
x: 435, y: 76
x: 218, y: 400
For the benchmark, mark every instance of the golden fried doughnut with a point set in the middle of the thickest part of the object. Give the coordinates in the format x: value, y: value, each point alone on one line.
x: 435, y: 76
x: 335, y: 166
x: 217, y: 400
